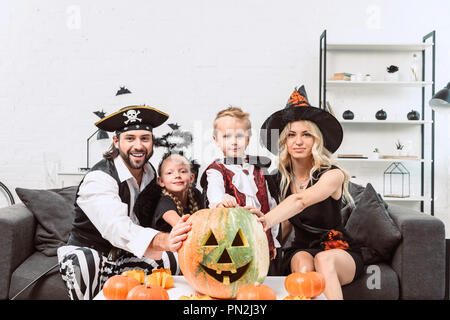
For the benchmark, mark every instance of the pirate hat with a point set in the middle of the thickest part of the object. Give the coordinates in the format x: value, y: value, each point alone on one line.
x: 298, y: 108
x: 132, y: 117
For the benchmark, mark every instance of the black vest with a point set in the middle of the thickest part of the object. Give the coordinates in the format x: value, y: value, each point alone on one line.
x: 84, y: 233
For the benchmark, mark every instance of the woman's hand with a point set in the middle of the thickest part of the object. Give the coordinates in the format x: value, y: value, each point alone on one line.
x: 227, y: 202
x: 261, y: 216
x: 179, y: 233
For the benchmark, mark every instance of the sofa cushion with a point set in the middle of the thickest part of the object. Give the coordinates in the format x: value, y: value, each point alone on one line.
x: 49, y: 287
x: 371, y: 226
x: 378, y: 282
x: 53, y: 210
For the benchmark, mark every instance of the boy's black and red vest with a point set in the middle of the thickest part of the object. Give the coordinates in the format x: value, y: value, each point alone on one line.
x: 84, y: 233
x: 260, y: 181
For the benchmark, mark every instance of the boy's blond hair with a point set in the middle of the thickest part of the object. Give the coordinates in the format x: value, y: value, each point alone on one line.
x: 234, y: 112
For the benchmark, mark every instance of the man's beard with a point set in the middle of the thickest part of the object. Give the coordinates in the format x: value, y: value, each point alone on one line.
x: 126, y: 158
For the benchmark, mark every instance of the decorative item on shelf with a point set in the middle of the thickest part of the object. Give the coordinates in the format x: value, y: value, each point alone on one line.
x: 381, y: 115
x: 400, y: 151
x: 396, y: 181
x: 414, y: 75
x: 367, y: 77
x: 342, y: 76
x: 351, y: 156
x: 101, y: 135
x: 413, y: 115
x: 329, y: 108
x: 375, y: 154
x: 392, y: 73
x: 348, y: 115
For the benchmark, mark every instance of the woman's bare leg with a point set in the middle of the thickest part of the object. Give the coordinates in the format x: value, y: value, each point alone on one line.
x: 338, y: 268
x: 302, y: 261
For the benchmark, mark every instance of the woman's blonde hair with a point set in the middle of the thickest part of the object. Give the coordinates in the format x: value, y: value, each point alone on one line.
x: 322, y: 160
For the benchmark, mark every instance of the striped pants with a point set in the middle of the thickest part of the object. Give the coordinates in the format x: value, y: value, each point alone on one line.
x: 85, y: 270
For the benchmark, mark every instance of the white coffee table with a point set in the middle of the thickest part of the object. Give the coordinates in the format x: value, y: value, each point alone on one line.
x: 182, y: 288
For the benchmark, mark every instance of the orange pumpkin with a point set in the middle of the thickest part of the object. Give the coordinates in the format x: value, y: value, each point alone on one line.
x: 256, y: 291
x: 138, y: 274
x: 296, y: 298
x: 306, y: 284
x: 225, y: 250
x: 147, y: 292
x: 118, y: 286
x: 161, y: 277
x: 195, y: 296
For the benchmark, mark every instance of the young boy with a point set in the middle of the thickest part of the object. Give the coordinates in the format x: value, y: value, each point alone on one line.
x: 237, y: 179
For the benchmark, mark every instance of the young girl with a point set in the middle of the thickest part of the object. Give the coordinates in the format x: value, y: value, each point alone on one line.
x: 173, y: 197
x: 178, y: 197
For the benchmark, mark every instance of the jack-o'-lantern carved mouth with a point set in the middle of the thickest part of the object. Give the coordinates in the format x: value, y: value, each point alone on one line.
x: 227, y: 277
x: 225, y: 261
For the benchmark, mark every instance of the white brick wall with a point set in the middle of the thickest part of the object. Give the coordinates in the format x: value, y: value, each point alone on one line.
x: 62, y: 60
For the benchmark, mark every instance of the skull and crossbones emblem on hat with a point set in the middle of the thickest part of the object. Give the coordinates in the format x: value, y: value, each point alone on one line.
x: 132, y: 116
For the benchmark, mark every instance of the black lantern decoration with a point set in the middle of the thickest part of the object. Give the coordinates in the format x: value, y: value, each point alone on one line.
x: 396, y: 181
x: 101, y: 135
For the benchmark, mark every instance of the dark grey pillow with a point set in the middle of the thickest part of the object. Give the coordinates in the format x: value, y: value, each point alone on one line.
x: 53, y: 209
x: 370, y: 225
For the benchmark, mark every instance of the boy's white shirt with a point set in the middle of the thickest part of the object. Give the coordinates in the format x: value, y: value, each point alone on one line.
x: 244, y: 184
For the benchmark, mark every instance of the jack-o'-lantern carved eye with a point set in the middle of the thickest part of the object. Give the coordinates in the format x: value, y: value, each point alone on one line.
x: 239, y: 240
x: 211, y: 240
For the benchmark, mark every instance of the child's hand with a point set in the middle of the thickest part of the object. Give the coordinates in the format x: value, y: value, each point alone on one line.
x: 227, y: 202
x: 179, y: 233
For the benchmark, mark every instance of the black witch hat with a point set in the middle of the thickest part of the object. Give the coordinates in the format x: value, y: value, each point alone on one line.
x: 298, y: 108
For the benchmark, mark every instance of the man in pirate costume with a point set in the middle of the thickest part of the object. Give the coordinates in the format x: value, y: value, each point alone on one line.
x: 106, y: 237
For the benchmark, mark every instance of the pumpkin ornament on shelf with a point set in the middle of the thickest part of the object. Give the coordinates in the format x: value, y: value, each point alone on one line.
x: 225, y: 250
x: 256, y: 291
x: 305, y: 284
x: 117, y: 287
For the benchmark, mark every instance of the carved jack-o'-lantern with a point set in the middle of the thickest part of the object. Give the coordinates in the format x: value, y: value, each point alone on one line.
x: 225, y: 250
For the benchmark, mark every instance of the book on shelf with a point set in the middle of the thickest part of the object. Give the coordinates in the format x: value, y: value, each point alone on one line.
x: 342, y: 76
x: 351, y: 156
x: 400, y: 157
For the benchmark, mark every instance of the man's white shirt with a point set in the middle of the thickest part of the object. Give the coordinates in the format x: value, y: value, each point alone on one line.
x: 99, y: 199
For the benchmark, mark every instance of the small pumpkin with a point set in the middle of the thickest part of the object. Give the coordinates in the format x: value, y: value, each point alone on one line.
x: 413, y: 115
x: 296, y: 298
x: 381, y: 115
x: 161, y: 277
x: 195, y: 296
x: 348, y: 115
x: 147, y: 292
x: 225, y: 250
x: 118, y: 286
x: 306, y: 284
x: 256, y: 291
x: 138, y: 274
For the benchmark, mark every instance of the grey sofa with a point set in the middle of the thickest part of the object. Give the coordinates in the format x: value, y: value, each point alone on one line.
x: 417, y: 269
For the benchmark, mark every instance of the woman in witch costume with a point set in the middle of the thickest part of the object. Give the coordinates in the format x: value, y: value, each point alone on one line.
x: 310, y: 187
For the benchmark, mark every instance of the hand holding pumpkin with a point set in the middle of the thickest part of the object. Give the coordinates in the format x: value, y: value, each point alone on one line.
x: 227, y: 202
x: 179, y: 233
x: 261, y: 216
